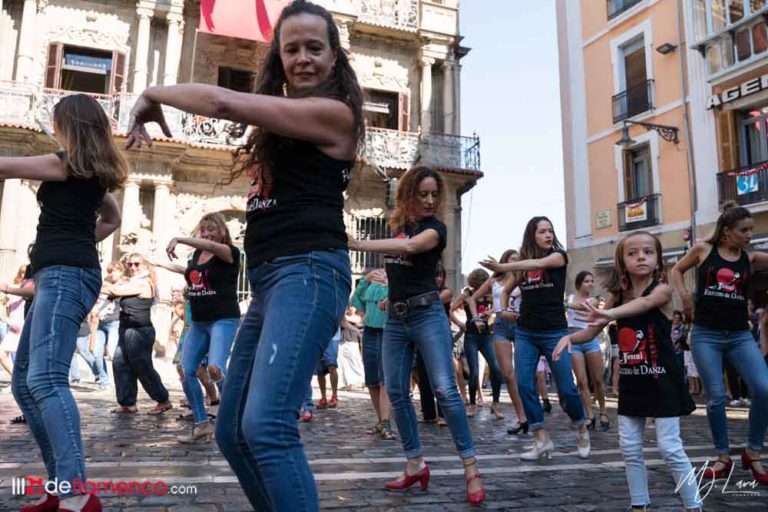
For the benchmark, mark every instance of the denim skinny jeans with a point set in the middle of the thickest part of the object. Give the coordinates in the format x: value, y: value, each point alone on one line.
x: 670, y: 445
x: 529, y: 347
x: 474, y: 343
x: 297, y: 305
x: 94, y: 360
x: 213, y: 339
x: 427, y: 329
x: 63, y: 297
x: 709, y: 349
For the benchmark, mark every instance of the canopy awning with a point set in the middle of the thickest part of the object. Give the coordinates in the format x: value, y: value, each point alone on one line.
x: 244, y: 19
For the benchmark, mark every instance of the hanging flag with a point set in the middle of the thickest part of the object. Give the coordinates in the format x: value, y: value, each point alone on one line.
x: 244, y: 19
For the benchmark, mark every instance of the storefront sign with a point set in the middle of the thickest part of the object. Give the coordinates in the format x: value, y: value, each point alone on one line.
x: 747, y: 183
x: 733, y: 93
x: 603, y: 218
x: 637, y: 212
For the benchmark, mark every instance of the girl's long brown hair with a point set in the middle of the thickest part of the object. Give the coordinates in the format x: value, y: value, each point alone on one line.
x: 732, y: 215
x: 407, y: 196
x: 262, y: 145
x: 617, y: 279
x: 89, y: 147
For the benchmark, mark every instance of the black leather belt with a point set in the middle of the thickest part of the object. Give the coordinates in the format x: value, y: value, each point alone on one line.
x: 402, y: 307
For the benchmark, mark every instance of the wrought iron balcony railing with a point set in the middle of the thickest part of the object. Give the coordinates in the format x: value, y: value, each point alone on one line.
x: 635, y: 100
x: 641, y: 212
x: 27, y: 106
x: 745, y: 185
x: 616, y: 7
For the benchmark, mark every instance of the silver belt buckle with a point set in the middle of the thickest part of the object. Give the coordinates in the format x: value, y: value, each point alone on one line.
x: 400, y: 308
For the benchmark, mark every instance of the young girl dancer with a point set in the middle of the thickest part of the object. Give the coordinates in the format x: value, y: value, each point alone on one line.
x: 650, y: 384
x: 587, y: 357
x: 721, y: 332
x: 211, y: 276
x: 503, y: 334
x: 540, y: 273
x: 417, y: 320
x: 75, y: 212
x: 300, y: 158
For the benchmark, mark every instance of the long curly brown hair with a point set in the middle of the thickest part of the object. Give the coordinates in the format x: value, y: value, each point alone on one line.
x: 407, y: 196
x: 262, y: 145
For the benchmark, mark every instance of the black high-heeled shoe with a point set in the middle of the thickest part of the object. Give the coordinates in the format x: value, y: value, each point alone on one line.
x: 521, y: 427
x: 547, y: 406
x: 591, y: 423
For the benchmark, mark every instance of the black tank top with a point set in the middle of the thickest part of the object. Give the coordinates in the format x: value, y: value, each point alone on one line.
x: 300, y: 208
x: 135, y: 312
x: 721, y: 292
x: 650, y: 382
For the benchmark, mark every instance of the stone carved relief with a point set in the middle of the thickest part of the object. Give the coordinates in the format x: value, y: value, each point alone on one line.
x: 380, y: 73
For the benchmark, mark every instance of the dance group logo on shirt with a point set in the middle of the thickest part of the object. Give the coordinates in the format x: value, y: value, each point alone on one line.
x: 537, y: 279
x: 199, y: 284
x: 258, y: 195
x: 399, y: 259
x: 728, y: 284
x: 639, y: 354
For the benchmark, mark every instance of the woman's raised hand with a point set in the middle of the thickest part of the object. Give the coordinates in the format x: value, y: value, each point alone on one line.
x: 145, y: 111
x: 563, y: 344
x: 595, y: 316
x: 491, y: 264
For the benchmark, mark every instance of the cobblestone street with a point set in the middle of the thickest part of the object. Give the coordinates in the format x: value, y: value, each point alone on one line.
x: 351, y: 466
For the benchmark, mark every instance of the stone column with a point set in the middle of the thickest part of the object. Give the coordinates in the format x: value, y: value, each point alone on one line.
x: 131, y: 208
x: 161, y: 214
x: 173, y: 48
x: 140, y: 64
x: 8, y: 220
x: 426, y: 94
x: 457, y: 99
x: 449, y: 99
x: 25, y: 54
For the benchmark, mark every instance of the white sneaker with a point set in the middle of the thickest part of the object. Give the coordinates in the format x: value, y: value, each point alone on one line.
x: 539, y: 450
x: 735, y: 403
x: 584, y: 450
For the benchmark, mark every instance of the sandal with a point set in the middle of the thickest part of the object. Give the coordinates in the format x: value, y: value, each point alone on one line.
x: 125, y: 409
x: 160, y: 409
x: 604, y: 424
x: 376, y: 429
x: 386, y: 431
x: 18, y: 420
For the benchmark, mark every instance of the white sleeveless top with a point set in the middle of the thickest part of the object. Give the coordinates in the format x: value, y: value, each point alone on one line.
x: 570, y: 314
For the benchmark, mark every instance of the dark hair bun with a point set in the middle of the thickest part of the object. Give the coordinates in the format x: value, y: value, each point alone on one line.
x: 729, y: 204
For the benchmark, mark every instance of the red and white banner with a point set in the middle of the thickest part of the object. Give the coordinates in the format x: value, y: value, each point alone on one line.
x: 244, y: 19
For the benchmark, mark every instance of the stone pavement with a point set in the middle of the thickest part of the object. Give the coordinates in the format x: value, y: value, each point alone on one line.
x: 350, y: 466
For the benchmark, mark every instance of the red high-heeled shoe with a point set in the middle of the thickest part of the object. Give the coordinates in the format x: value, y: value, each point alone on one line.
x: 747, y: 462
x: 408, y: 480
x: 51, y: 504
x: 712, y: 474
x: 92, y: 504
x: 478, y: 497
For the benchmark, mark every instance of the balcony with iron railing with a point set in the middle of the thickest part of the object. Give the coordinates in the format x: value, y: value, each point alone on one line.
x: 397, y: 14
x: 641, y: 212
x: 616, y: 7
x: 745, y: 185
x: 635, y: 100
x: 31, y: 107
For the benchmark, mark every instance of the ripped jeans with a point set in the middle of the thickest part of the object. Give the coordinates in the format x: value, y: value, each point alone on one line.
x: 426, y: 328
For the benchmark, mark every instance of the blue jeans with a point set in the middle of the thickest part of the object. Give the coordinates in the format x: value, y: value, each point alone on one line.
x: 529, y: 347
x: 372, y: 364
x: 474, y: 343
x: 111, y: 331
x: 671, y: 448
x: 297, y: 305
x: 63, y: 297
x: 213, y: 339
x: 427, y: 329
x: 94, y: 360
x: 709, y: 348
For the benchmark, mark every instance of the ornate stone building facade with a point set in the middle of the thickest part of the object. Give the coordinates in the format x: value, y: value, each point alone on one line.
x: 406, y: 53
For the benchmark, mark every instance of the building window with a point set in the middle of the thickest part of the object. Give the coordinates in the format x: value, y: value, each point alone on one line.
x: 235, y: 79
x: 616, y: 7
x: 75, y: 68
x: 636, y: 95
x: 735, y: 10
x: 381, y: 109
x: 752, y: 137
x: 638, y: 181
x: 743, y: 44
x: 368, y: 228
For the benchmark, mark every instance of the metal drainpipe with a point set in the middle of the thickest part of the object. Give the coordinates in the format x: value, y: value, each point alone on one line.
x: 681, y: 49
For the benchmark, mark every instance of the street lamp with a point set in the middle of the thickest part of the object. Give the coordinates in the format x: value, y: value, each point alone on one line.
x: 668, y: 133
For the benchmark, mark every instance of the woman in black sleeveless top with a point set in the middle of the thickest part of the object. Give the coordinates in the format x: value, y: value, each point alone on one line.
x: 132, y: 361
x: 721, y: 332
x: 307, y: 108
